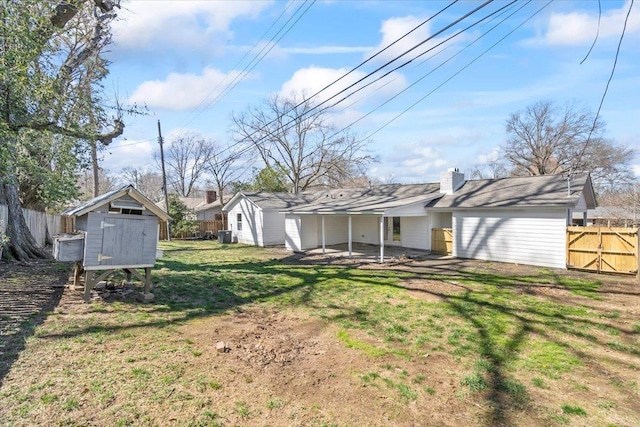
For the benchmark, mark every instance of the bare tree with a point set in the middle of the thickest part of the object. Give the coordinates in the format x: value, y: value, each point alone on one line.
x: 222, y: 165
x: 186, y: 157
x: 147, y: 182
x: 493, y: 169
x: 545, y: 139
x: 288, y: 135
x: 107, y: 181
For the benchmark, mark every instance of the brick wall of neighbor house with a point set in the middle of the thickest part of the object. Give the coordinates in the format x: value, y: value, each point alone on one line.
x: 273, y: 231
x: 524, y: 237
x: 251, y: 232
x: 415, y: 232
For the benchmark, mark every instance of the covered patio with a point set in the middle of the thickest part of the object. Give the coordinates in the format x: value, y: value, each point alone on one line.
x: 366, y: 253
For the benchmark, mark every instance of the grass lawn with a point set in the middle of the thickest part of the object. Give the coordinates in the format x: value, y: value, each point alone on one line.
x: 334, y: 344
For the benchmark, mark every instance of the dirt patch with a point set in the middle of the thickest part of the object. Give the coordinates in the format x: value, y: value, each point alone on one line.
x: 296, y: 361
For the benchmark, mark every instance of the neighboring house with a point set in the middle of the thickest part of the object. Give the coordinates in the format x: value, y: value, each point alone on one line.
x: 520, y: 220
x: 257, y: 218
x: 202, y: 208
x: 610, y: 216
x: 211, y: 209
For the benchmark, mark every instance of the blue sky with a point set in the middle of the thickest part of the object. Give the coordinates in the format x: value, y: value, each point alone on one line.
x: 177, y: 56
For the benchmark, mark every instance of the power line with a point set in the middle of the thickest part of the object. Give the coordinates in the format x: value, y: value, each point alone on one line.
x: 212, y: 91
x: 361, y: 64
x: 420, y: 55
x: 435, y: 68
x: 502, y: 9
x: 606, y: 89
x: 307, y: 112
x: 459, y: 71
x: 256, y: 60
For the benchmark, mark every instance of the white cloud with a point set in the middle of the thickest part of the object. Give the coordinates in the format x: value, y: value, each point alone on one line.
x: 313, y: 79
x: 179, y: 23
x: 579, y: 28
x: 182, y: 91
x: 394, y: 28
x: 128, y: 153
x: 413, y: 162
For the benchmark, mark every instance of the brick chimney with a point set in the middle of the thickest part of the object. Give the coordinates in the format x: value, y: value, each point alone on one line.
x: 210, y: 196
x: 451, y: 180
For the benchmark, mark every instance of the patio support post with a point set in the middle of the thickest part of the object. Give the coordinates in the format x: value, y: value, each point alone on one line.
x: 323, y: 236
x: 381, y: 239
x: 584, y: 218
x: 349, y: 236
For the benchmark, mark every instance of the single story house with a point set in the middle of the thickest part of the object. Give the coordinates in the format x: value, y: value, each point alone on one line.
x: 610, y: 216
x: 211, y: 209
x: 519, y: 220
x: 257, y: 218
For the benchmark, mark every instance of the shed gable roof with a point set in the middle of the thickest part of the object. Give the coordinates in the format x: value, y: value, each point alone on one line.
x: 114, y: 195
x: 527, y: 192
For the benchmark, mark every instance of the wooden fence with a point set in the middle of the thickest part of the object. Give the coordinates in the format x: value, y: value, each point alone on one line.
x: 38, y: 223
x: 603, y: 249
x: 204, y: 228
x: 442, y: 241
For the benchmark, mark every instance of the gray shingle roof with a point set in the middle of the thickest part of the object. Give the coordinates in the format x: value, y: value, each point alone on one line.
x: 375, y: 199
x: 211, y: 205
x: 531, y: 191
x: 95, y: 201
x: 273, y: 201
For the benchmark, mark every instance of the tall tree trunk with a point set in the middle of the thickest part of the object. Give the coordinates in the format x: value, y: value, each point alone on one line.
x: 22, y: 246
x: 94, y: 167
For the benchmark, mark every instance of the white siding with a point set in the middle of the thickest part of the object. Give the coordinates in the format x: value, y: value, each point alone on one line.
x: 415, y: 232
x: 252, y: 223
x: 533, y: 238
x: 293, y: 234
x: 364, y: 229
x: 413, y: 209
x: 273, y: 231
x: 336, y: 229
x: 309, y: 232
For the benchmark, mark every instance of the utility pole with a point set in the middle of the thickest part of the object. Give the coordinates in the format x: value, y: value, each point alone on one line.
x: 164, y: 179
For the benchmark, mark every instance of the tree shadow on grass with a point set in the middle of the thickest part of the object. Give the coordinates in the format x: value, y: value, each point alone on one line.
x: 485, y: 301
x: 27, y: 295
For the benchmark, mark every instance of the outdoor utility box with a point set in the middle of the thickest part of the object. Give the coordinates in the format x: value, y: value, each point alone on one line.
x: 68, y: 247
x: 224, y: 236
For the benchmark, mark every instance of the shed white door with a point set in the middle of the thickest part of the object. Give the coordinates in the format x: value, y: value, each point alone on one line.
x: 120, y: 240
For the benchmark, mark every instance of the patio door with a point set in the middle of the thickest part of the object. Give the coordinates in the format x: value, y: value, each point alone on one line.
x: 392, y: 229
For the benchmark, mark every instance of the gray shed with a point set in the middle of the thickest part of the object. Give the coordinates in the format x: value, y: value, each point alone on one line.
x: 117, y: 230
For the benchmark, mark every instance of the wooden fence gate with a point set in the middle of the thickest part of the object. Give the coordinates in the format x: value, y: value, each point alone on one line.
x: 442, y: 241
x: 603, y: 249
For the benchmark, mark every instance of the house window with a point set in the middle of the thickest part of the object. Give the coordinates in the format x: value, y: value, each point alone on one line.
x: 396, y: 228
x: 239, y: 222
